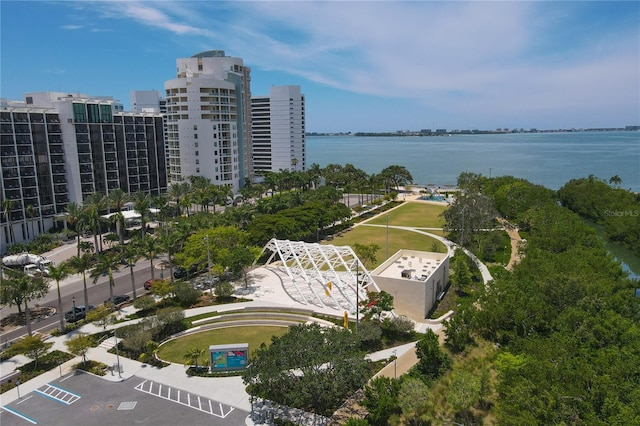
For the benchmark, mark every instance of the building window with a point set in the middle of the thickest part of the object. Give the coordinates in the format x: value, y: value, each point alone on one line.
x: 197, y: 153
x: 196, y: 144
x: 197, y: 161
x: 197, y: 169
x: 195, y: 136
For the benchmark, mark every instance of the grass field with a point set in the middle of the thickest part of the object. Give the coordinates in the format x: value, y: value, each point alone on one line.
x: 418, y: 215
x: 398, y: 239
x: 174, y: 350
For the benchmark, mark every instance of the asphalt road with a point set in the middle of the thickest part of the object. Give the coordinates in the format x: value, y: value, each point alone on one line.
x: 73, y: 287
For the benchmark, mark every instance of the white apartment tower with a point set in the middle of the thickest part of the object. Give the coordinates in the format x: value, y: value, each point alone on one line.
x: 209, y: 119
x: 278, y: 130
x: 58, y: 147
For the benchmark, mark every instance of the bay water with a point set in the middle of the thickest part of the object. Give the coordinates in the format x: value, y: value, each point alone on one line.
x: 548, y: 159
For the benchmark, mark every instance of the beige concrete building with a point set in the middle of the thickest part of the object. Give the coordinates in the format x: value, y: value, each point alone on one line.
x: 415, y: 279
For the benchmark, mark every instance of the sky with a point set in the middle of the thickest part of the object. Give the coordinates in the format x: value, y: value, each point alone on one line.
x: 378, y: 66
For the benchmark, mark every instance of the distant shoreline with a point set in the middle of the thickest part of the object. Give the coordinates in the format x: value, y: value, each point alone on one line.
x: 445, y: 133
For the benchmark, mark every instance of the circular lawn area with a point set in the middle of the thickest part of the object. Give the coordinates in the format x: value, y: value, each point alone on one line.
x: 174, y: 350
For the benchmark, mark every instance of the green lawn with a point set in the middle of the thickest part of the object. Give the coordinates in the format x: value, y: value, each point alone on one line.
x: 398, y: 239
x: 419, y: 215
x: 174, y: 350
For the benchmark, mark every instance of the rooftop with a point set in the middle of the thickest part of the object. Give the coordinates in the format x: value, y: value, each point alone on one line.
x: 410, y: 264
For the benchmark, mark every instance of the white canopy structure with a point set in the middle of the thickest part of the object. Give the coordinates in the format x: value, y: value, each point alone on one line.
x: 324, y: 274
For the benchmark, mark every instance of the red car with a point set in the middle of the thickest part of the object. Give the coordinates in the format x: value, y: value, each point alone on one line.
x: 147, y: 284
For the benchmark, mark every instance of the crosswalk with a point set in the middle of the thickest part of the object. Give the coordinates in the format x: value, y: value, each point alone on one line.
x: 196, y: 402
x: 58, y: 394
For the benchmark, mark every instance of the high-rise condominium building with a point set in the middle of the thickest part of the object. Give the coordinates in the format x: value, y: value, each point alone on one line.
x: 278, y: 130
x: 151, y: 101
x: 147, y: 101
x: 209, y: 119
x: 57, y: 148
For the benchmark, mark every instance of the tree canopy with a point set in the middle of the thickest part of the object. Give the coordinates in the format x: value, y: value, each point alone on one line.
x: 310, y: 366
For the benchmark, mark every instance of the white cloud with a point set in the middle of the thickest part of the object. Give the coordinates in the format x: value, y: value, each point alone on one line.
x: 72, y: 27
x: 485, y: 58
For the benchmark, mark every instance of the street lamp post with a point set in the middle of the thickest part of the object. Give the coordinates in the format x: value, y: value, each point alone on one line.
x: 206, y: 237
x: 73, y: 300
x: 357, y: 295
x: 462, y: 234
x: 395, y: 364
x: 115, y: 337
x: 504, y: 256
x: 387, y: 236
x: 251, y: 390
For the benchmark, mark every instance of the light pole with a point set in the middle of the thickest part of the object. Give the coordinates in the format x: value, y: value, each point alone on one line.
x: 357, y: 295
x: 504, y: 256
x: 387, y: 236
x: 395, y: 364
x: 206, y: 237
x: 462, y: 234
x: 73, y: 300
x: 115, y: 337
x: 251, y: 390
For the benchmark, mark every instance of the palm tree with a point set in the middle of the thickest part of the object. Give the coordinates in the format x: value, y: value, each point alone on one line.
x: 177, y: 192
x: 75, y: 218
x: 615, y: 181
x: 107, y: 264
x: 59, y: 273
x: 171, y: 240
x: 131, y: 253
x: 7, y: 206
x: 150, y: 249
x: 141, y: 204
x: 31, y: 212
x: 19, y: 288
x: 94, y: 205
x: 82, y: 264
x: 117, y: 199
x: 192, y: 356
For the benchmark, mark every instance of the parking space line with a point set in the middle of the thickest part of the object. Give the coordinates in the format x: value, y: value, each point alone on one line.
x: 24, y: 399
x: 199, y: 406
x: 19, y: 414
x: 58, y: 394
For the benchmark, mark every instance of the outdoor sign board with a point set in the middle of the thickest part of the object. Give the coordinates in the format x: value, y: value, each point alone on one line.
x: 229, y: 357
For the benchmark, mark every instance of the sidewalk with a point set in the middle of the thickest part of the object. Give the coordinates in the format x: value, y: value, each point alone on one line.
x: 227, y: 390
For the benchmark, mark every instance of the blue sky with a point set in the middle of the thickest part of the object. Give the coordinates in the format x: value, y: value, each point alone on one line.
x: 362, y: 65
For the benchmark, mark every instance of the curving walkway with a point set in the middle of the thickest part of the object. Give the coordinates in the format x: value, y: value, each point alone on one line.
x: 516, y: 243
x: 451, y: 247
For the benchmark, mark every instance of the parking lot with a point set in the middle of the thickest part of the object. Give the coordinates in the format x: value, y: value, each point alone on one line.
x: 81, y: 398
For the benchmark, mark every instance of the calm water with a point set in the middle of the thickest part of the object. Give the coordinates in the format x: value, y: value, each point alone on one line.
x: 548, y: 159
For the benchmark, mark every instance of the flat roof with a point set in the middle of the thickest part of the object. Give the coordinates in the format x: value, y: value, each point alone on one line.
x: 410, y: 265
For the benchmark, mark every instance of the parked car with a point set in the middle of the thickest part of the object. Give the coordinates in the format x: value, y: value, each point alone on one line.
x: 117, y: 300
x: 147, y: 284
x: 77, y: 313
x: 180, y: 272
